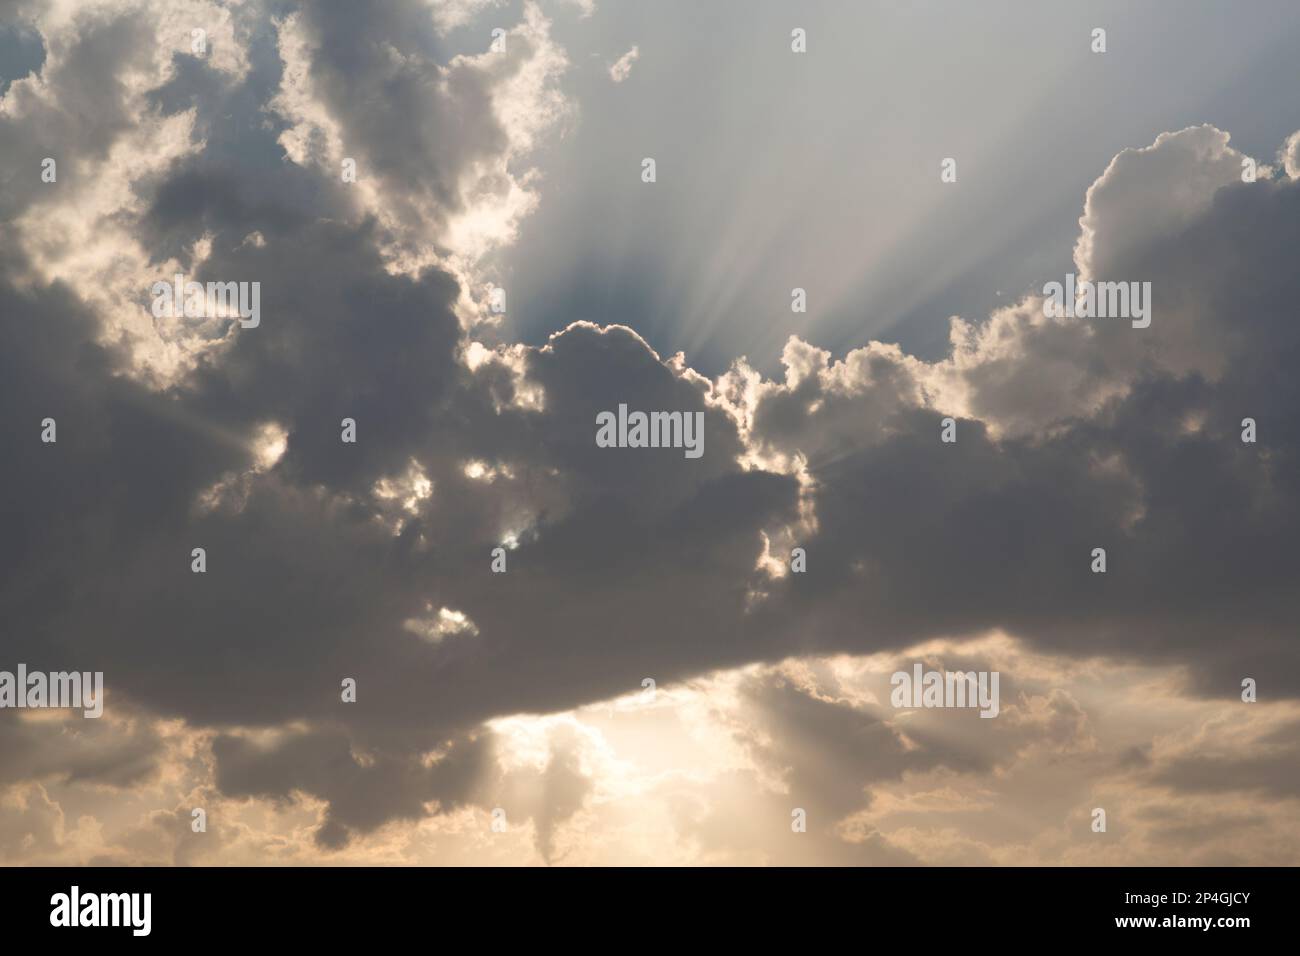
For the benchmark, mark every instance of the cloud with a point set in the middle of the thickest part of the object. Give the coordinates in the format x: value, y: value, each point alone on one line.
x: 438, y: 147
x: 1150, y: 194
x: 114, y: 753
x: 1289, y: 155
x: 363, y: 791
x: 31, y: 825
x: 1072, y: 434
x: 621, y: 68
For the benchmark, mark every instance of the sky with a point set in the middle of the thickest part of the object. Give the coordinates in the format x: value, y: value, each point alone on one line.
x: 433, y: 619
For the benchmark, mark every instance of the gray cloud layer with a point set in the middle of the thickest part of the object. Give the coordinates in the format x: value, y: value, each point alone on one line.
x: 1072, y: 435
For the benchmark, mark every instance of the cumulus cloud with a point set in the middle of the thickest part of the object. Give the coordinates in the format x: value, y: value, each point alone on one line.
x: 439, y: 148
x: 1134, y: 203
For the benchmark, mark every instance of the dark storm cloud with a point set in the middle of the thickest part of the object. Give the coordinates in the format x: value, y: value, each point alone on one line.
x: 78, y: 751
x: 362, y: 793
x: 922, y: 538
x: 377, y: 67
x: 829, y: 751
x: 630, y: 562
x: 303, y: 587
x: 1268, y: 769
